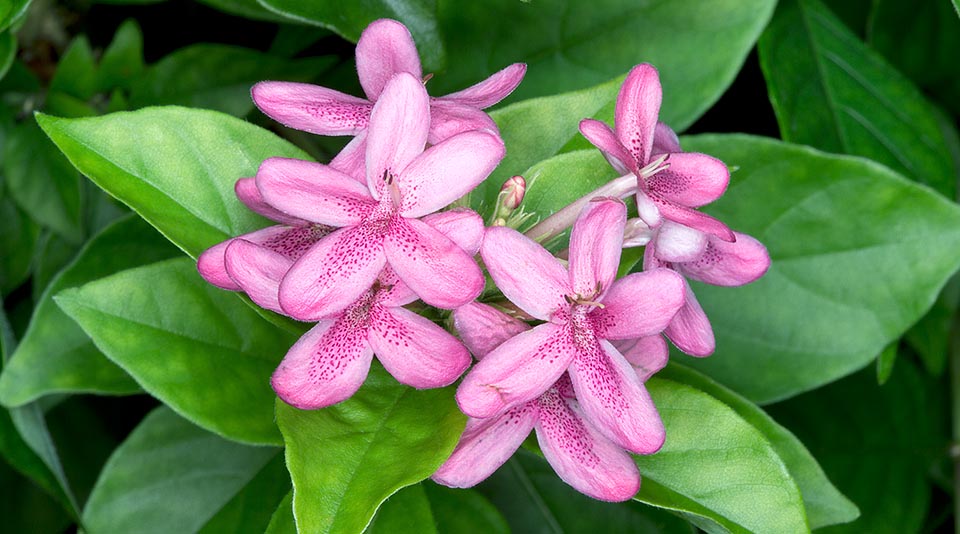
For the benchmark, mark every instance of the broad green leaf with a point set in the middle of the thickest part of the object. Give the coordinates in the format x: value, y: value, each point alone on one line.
x: 11, y: 10
x: 174, y: 166
x: 52, y: 255
x: 824, y: 504
x: 18, y: 241
x: 8, y: 51
x: 406, y: 511
x: 282, y: 521
x: 348, y: 19
x: 76, y: 73
x: 218, y: 77
x: 930, y: 336
x: 885, y: 362
x: 26, y: 508
x: 56, y: 355
x: 195, y: 347
x: 245, y: 8
x: 568, y: 45
x: 876, y: 443
x: 859, y: 254
x: 85, y: 440
x: 122, y: 61
x: 829, y: 90
x: 252, y: 508
x: 292, y: 39
x: 347, y: 459
x: 42, y: 182
x: 463, y: 510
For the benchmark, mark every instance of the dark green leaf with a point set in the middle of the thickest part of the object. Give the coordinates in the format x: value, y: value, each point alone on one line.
x: 251, y: 510
x: 930, y: 336
x: 11, y: 10
x: 53, y: 254
x: 885, y: 362
x: 18, y: 241
x: 459, y: 510
x: 76, y: 71
x: 8, y: 52
x: 282, y: 521
x: 25, y: 508
x: 406, y: 511
x: 250, y: 9
x: 122, y: 61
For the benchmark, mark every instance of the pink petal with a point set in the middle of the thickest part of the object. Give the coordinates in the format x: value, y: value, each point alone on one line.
x: 638, y: 105
x: 325, y: 366
x: 351, y: 160
x: 292, y: 242
x: 485, y: 445
x: 462, y: 225
x: 582, y: 457
x: 257, y: 271
x: 693, y: 218
x: 434, y: 267
x: 639, y: 304
x: 492, y: 90
x: 414, y: 350
x: 313, y: 191
x: 729, y: 264
x: 483, y: 327
x: 647, y: 355
x: 525, y: 272
x: 447, y: 171
x: 679, y: 243
x: 212, y: 268
x: 636, y: 233
x: 665, y: 140
x: 595, y: 244
x: 448, y: 119
x: 690, y: 329
x: 312, y: 108
x: 648, y: 210
x: 602, y: 137
x: 614, y: 400
x: 398, y: 130
x: 247, y: 192
x: 332, y: 274
x: 518, y: 370
x: 692, y: 179
x: 385, y: 48
x: 393, y: 292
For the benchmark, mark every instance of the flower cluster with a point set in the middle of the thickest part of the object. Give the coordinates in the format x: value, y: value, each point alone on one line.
x: 371, y: 232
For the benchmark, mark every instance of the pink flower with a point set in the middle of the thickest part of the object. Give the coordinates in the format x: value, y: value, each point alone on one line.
x: 584, y: 308
x: 669, y: 182
x: 378, y: 222
x: 385, y: 48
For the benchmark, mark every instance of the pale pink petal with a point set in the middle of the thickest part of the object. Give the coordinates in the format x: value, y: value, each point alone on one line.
x: 332, y: 274
x: 638, y: 105
x: 485, y: 445
x: 312, y: 108
x: 518, y: 370
x: 639, y: 304
x: 636, y: 233
x: 247, y: 192
x: 462, y: 225
x: 257, y: 271
x: 580, y: 455
x: 595, y: 245
x: 692, y: 218
x: 290, y: 241
x: 602, y: 137
x: 397, y: 132
x: 690, y: 329
x: 448, y: 119
x: 692, y: 179
x: 483, y: 327
x: 212, y: 268
x: 615, y: 400
x: 447, y: 171
x: 647, y: 354
x: 415, y: 350
x: 393, y: 292
x: 432, y: 265
x: 525, y: 272
x: 665, y: 140
x: 492, y: 90
x: 729, y: 264
x: 679, y: 243
x: 351, y: 160
x: 325, y: 366
x: 385, y: 48
x: 313, y: 191
x: 648, y: 211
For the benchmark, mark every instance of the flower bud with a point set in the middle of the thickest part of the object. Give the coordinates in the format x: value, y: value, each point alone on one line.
x: 512, y: 191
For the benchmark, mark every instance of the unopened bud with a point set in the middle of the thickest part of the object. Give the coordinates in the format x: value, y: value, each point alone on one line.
x: 512, y: 191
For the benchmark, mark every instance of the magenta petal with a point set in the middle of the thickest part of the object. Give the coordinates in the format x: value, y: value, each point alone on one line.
x: 638, y: 105
x: 492, y: 90
x: 485, y: 445
x: 312, y: 108
x: 432, y: 265
x: 692, y: 179
x: 462, y: 225
x: 247, y: 192
x: 692, y: 218
x: 257, y: 271
x: 415, y: 350
x: 313, y: 191
x: 398, y: 130
x: 525, y: 272
x: 483, y: 327
x: 690, y: 329
x: 385, y: 48
x: 679, y: 243
x: 448, y: 119
x: 447, y: 171
x: 729, y: 264
x: 647, y: 355
x: 595, y: 244
x: 325, y: 366
x: 665, y: 140
x: 212, y: 268
x: 518, y: 370
x: 602, y: 137
x: 332, y: 274
x: 640, y: 304
x: 615, y: 400
x: 351, y: 160
x: 291, y: 241
x: 582, y: 457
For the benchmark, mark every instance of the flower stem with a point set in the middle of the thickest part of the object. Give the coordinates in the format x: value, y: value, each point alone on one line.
x: 555, y: 224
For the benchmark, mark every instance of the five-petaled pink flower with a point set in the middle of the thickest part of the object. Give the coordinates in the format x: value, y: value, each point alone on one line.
x: 585, y: 309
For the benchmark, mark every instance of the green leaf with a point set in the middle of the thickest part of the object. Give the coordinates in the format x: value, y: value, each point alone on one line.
x: 11, y: 10
x: 42, y: 182
x: 56, y: 355
x: 463, y: 510
x: 558, y: 181
x: 282, y: 521
x: 346, y: 460
x: 348, y: 19
x: 76, y: 73
x: 8, y: 52
x: 251, y: 510
x: 930, y: 336
x: 824, y: 504
x: 170, y: 476
x: 885, y: 362
x: 829, y: 90
x: 26, y: 508
x: 250, y: 9
x: 18, y: 241
x: 218, y: 77
x: 407, y: 510
x: 859, y: 254
x: 195, y: 347
x: 176, y: 167
x: 122, y: 61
